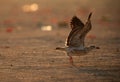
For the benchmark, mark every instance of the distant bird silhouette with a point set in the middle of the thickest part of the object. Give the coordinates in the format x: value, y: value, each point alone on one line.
x: 75, y: 42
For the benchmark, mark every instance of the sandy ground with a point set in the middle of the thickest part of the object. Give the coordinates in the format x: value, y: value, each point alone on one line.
x: 30, y: 56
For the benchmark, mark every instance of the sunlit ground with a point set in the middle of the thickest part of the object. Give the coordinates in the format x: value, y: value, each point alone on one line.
x: 31, y: 30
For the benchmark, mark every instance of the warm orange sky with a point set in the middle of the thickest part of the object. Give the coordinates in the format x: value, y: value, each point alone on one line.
x: 69, y: 7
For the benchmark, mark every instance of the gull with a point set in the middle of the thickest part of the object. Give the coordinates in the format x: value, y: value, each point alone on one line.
x: 75, y: 43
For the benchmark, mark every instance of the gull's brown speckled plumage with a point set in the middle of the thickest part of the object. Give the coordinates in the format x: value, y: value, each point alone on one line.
x: 75, y: 41
x: 78, y: 32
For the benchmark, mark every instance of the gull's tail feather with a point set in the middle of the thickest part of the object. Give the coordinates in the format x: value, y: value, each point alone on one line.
x: 62, y: 49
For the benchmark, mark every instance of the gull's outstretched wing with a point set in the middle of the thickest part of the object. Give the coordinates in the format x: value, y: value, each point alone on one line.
x: 76, y: 24
x: 87, y: 26
x: 78, y: 33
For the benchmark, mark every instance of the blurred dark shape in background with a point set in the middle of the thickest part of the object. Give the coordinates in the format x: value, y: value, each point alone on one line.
x: 62, y: 24
x: 35, y: 13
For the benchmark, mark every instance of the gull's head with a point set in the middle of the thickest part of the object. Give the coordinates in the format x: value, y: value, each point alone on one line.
x: 94, y: 47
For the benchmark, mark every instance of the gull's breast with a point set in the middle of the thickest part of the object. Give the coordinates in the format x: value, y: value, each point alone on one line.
x: 76, y: 51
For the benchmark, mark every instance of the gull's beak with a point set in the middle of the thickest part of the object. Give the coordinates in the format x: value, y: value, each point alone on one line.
x: 97, y: 47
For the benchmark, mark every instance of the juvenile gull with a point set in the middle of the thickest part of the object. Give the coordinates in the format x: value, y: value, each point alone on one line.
x: 74, y: 44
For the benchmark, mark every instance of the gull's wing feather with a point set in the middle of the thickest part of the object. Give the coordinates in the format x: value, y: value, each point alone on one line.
x: 77, y: 35
x: 76, y: 24
x: 87, y: 26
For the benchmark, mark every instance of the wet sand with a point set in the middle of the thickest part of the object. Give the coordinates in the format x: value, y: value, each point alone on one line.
x: 30, y: 56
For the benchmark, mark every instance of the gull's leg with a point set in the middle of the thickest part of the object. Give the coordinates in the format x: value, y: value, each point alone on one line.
x: 71, y: 59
